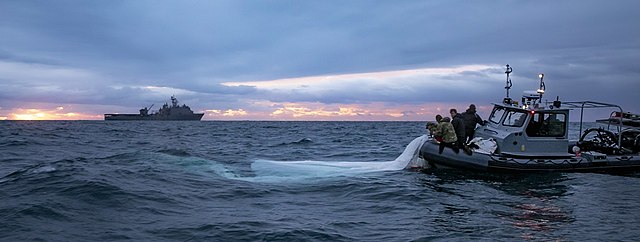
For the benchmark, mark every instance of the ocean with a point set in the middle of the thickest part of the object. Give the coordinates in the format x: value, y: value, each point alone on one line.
x: 282, y: 181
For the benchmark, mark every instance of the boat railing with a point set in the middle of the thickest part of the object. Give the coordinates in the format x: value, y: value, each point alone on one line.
x: 582, y: 105
x: 613, y: 120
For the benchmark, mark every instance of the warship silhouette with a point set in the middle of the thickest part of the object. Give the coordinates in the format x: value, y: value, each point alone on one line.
x: 167, y: 112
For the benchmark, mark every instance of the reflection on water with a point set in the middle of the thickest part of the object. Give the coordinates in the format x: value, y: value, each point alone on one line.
x: 532, y: 218
x: 535, y: 211
x: 527, y: 204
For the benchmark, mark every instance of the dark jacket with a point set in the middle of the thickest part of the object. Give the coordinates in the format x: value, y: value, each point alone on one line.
x: 471, y: 118
x: 458, y: 125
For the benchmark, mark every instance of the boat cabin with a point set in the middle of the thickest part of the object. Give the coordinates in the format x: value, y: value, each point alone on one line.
x: 528, y: 132
x: 528, y: 129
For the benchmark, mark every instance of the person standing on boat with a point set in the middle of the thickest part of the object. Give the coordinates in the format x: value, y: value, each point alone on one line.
x: 458, y: 125
x: 447, y: 135
x: 471, y: 118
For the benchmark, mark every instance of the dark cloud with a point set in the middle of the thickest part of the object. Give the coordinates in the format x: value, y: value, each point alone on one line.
x: 109, y: 50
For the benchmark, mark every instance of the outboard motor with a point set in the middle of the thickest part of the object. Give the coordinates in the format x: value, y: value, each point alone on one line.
x: 631, y: 140
x: 600, y: 140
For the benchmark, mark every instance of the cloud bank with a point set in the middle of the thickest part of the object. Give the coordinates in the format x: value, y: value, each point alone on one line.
x: 329, y: 60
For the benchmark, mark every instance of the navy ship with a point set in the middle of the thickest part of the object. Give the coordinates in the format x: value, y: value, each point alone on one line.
x: 173, y: 112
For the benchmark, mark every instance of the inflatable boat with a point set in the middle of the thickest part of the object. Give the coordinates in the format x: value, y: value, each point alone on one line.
x: 529, y: 136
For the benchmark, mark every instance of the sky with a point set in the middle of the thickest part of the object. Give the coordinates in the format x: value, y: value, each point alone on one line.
x: 311, y: 60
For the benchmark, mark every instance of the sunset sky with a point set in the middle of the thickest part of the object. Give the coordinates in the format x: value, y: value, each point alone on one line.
x: 310, y: 60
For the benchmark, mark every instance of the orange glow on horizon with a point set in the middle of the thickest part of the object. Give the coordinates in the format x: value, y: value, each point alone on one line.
x: 47, y: 114
x: 354, y: 112
x: 226, y: 113
x: 276, y: 111
x: 339, y: 112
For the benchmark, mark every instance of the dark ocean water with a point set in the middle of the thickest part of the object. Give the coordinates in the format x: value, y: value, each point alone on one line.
x: 282, y: 181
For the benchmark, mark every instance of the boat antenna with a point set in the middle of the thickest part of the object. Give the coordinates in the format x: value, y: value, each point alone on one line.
x: 542, y: 86
x: 507, y: 100
x: 509, y: 84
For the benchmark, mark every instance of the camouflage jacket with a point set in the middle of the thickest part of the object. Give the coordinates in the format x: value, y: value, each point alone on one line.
x: 447, y: 132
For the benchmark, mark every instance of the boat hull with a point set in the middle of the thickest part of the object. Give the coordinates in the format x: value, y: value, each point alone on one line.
x: 482, y: 161
x: 134, y: 117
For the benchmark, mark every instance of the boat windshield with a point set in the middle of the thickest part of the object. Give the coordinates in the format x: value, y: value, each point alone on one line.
x: 496, y: 114
x: 515, y: 118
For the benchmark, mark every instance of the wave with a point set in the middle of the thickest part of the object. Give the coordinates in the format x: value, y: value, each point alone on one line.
x: 15, y: 143
x: 29, y: 170
x: 175, y: 152
x: 280, y: 171
x: 302, y: 141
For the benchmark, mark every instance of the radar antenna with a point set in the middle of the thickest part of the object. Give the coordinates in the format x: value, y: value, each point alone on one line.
x: 507, y: 100
x: 174, y: 101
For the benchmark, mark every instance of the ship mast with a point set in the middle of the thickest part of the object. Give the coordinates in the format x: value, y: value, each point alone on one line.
x: 507, y: 100
x: 174, y: 101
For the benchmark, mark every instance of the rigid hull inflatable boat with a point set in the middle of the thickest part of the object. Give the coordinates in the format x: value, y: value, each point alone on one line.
x: 529, y: 137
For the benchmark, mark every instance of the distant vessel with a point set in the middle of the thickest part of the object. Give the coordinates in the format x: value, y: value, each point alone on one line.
x: 173, y: 112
